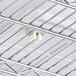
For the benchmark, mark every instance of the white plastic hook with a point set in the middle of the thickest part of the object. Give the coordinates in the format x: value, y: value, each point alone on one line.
x: 36, y: 36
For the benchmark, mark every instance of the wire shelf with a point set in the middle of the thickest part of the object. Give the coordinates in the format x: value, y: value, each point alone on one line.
x: 54, y: 55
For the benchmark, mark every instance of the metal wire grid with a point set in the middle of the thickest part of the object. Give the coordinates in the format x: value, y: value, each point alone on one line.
x: 16, y: 33
x: 10, y: 68
x: 14, y: 41
x: 64, y: 26
x: 4, y: 66
x: 69, y: 2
